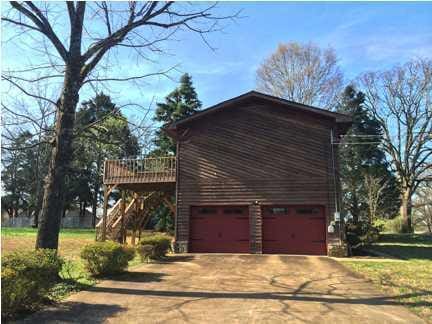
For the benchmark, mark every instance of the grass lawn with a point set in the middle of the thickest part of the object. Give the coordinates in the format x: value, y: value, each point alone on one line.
x: 407, y: 272
x: 70, y: 243
x: 71, y: 240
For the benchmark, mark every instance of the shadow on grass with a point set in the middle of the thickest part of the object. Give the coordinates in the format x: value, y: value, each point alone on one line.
x: 405, y: 252
x: 406, y: 238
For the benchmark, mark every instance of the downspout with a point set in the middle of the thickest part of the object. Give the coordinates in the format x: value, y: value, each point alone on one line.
x: 334, y: 170
x: 176, y: 191
x: 338, y: 223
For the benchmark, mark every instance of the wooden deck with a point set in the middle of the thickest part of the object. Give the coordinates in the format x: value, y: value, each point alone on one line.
x: 160, y: 170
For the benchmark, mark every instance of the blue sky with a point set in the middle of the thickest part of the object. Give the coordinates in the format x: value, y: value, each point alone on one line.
x: 366, y: 36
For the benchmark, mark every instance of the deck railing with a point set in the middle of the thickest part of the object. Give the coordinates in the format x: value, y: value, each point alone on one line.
x: 159, y: 169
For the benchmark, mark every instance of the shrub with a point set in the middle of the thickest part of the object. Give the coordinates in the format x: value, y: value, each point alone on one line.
x: 361, y: 233
x: 27, y: 277
x: 106, y: 258
x: 394, y: 225
x: 154, y: 246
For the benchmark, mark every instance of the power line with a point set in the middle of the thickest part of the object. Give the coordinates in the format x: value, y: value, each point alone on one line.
x: 356, y: 143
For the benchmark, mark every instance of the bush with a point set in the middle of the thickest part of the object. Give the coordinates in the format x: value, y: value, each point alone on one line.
x: 361, y: 233
x: 393, y: 225
x: 154, y: 246
x: 27, y: 277
x: 106, y: 258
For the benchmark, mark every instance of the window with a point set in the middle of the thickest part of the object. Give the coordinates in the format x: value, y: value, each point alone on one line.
x: 279, y: 211
x: 236, y: 211
x: 307, y: 210
x: 206, y: 210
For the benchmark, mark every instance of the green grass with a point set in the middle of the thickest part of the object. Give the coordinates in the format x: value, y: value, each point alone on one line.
x: 75, y: 276
x: 30, y: 232
x: 407, y: 273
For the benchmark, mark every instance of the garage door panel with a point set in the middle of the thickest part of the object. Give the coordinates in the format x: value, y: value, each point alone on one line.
x: 294, y: 230
x: 221, y: 229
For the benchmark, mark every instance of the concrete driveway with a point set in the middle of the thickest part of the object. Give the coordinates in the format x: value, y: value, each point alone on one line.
x: 232, y: 289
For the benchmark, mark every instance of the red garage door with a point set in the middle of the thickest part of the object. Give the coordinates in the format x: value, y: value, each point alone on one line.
x: 294, y: 230
x: 219, y: 229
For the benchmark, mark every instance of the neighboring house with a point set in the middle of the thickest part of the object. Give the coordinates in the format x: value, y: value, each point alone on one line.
x: 254, y: 174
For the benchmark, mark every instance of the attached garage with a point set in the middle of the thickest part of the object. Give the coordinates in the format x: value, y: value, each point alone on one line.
x: 294, y: 230
x: 219, y: 229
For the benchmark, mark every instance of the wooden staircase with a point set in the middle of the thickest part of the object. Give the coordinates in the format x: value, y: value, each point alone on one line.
x: 136, y: 214
x: 114, y: 221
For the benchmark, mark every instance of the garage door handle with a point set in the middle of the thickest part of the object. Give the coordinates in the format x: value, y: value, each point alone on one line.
x: 219, y: 234
x: 292, y: 235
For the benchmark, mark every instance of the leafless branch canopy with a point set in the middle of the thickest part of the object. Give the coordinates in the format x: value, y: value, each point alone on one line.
x: 96, y: 38
x: 401, y: 100
x: 302, y: 73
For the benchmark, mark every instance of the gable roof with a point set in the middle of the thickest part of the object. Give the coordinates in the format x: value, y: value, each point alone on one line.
x: 342, y: 119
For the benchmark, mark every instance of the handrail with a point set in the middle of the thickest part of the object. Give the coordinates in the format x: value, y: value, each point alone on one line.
x: 126, y: 212
x: 157, y: 169
x: 109, y: 214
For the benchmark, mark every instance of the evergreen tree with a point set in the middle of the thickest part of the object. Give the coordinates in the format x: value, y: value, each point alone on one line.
x: 102, y: 132
x: 364, y: 158
x: 24, y: 168
x: 180, y: 103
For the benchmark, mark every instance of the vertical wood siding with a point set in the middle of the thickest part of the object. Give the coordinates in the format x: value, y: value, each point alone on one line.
x: 250, y: 153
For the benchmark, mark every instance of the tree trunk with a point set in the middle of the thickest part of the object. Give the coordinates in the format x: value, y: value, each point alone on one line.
x: 133, y: 236
x: 94, y: 204
x: 405, y: 211
x: 53, y: 199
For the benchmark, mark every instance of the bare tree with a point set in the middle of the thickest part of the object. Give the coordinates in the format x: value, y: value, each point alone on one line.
x: 374, y: 191
x: 423, y: 207
x: 33, y: 118
x: 301, y: 73
x: 80, y: 55
x: 401, y: 100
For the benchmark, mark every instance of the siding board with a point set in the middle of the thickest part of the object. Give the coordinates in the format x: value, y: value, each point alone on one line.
x: 255, y: 155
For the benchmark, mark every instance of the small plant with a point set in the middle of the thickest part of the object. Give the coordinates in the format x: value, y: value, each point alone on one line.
x: 27, y: 277
x: 361, y: 234
x: 106, y: 258
x: 154, y: 246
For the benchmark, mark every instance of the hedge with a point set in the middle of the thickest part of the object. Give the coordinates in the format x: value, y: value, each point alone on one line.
x: 27, y: 277
x: 106, y: 258
x: 154, y: 246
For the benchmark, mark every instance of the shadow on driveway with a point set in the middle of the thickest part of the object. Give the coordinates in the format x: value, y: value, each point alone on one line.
x: 305, y: 296
x: 75, y: 312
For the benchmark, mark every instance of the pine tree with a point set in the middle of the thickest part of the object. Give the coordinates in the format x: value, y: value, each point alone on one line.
x: 102, y: 133
x: 180, y: 103
x: 362, y: 159
x: 23, y: 170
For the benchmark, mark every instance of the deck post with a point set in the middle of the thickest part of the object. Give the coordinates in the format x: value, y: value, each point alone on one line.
x: 170, y: 205
x: 122, y: 237
x: 105, y: 212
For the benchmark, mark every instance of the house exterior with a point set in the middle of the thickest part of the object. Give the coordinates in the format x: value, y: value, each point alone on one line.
x: 253, y: 174
x: 257, y: 174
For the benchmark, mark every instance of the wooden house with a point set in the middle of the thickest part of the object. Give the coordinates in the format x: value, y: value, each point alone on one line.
x: 253, y: 174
